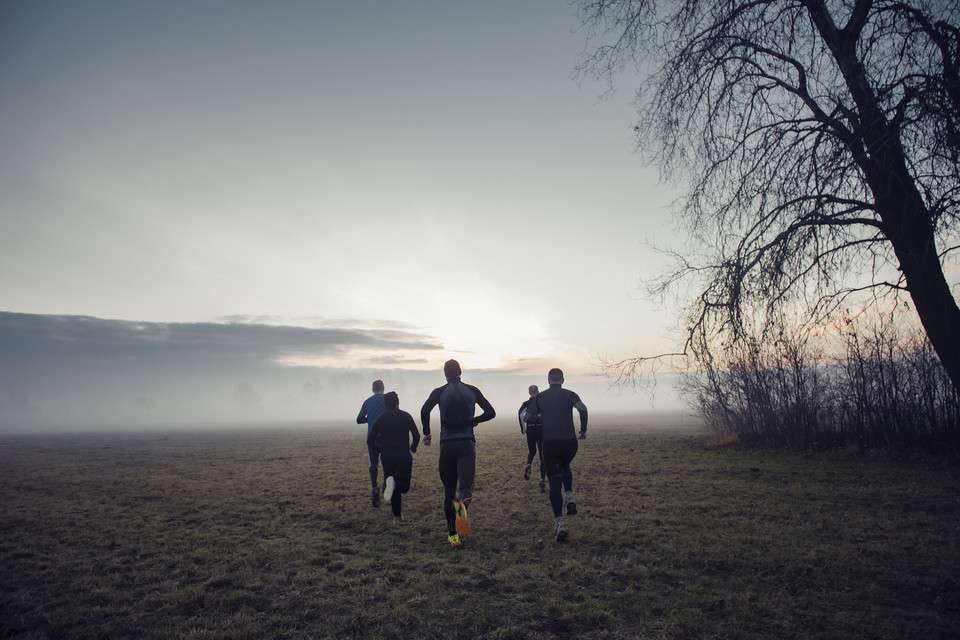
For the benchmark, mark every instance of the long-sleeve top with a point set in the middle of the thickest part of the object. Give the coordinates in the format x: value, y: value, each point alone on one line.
x: 393, y: 432
x: 370, y: 410
x: 528, y: 419
x: 555, y: 406
x: 458, y: 404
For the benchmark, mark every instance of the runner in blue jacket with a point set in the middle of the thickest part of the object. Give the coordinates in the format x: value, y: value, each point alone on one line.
x: 369, y: 412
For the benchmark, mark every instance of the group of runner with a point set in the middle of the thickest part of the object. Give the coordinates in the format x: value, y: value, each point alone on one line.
x: 546, y: 418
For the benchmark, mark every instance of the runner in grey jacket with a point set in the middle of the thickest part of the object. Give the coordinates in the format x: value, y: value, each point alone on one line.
x: 458, y: 454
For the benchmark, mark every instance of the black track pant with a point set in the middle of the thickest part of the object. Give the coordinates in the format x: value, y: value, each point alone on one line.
x: 399, y: 465
x: 374, y: 461
x: 535, y: 446
x: 458, y: 465
x: 557, y: 456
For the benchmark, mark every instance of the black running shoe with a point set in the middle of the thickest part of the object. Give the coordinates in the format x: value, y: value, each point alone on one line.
x: 526, y: 472
x: 571, y: 507
x: 561, y: 532
x: 376, y: 497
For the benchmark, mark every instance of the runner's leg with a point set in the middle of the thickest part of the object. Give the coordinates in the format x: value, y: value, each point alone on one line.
x: 448, y: 476
x: 555, y: 474
x: 374, y: 459
x: 543, y: 469
x: 395, y: 504
x: 466, y: 471
x: 570, y: 454
x: 531, y: 447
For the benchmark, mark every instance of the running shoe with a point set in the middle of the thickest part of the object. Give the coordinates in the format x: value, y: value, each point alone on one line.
x: 376, y: 497
x: 454, y: 540
x: 542, y: 489
x: 561, y: 532
x: 571, y: 507
x: 463, y: 525
x: 526, y: 472
x: 397, y: 519
x: 388, y: 492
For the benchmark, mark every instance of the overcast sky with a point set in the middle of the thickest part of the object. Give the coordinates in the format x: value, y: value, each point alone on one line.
x: 407, y: 181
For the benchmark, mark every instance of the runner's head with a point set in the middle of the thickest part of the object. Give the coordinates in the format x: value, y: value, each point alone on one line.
x: 533, y: 390
x: 378, y: 386
x: 392, y: 400
x: 451, y: 369
x: 555, y: 376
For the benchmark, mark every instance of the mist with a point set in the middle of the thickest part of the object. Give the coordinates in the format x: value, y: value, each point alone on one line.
x: 78, y: 372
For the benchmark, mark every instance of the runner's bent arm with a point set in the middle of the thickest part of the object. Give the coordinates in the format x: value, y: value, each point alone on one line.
x: 520, y: 414
x: 415, y: 435
x: 582, y: 408
x: 532, y: 408
x: 428, y: 406
x: 372, y: 439
x: 488, y: 411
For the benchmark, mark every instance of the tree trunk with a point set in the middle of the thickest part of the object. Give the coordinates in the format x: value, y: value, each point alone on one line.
x: 907, y: 222
x: 908, y: 225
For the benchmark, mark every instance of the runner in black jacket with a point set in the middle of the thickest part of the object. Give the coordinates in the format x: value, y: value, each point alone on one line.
x: 555, y: 406
x: 395, y: 429
x: 458, y: 453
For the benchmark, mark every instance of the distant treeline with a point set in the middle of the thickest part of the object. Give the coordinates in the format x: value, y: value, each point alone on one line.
x: 887, y: 392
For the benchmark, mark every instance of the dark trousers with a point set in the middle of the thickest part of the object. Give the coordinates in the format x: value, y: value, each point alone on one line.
x: 398, y: 464
x: 535, y: 446
x: 374, y: 460
x: 557, y: 456
x: 458, y: 465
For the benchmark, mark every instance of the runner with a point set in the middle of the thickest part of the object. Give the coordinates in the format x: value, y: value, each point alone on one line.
x: 369, y: 412
x: 391, y: 436
x: 458, y: 448
x: 533, y: 428
x: 555, y: 406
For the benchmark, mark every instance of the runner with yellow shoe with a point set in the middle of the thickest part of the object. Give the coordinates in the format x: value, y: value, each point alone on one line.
x: 458, y: 447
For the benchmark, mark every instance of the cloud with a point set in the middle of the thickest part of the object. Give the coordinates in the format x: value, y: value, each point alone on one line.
x: 61, y: 371
x: 30, y: 339
x: 57, y: 369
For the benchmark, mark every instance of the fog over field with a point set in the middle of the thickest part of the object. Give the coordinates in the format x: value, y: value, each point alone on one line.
x: 61, y: 372
x: 216, y: 216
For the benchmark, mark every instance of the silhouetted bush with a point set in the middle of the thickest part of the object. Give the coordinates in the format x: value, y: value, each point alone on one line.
x: 887, y: 392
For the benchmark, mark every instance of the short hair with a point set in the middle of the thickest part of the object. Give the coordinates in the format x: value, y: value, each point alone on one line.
x: 555, y: 375
x: 533, y: 390
x: 377, y: 385
x: 451, y: 369
x: 391, y: 400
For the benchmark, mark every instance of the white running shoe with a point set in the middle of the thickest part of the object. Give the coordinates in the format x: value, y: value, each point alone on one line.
x: 388, y: 492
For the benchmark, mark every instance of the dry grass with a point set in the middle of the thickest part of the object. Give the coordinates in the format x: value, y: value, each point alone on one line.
x: 270, y: 534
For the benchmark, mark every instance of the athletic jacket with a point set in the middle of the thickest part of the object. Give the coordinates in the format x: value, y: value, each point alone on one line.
x: 556, y: 406
x: 458, y: 403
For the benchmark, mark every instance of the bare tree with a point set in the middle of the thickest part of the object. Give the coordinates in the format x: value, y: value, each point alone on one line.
x: 820, y: 142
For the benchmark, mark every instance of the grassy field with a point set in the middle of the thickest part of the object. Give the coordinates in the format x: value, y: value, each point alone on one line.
x: 270, y: 534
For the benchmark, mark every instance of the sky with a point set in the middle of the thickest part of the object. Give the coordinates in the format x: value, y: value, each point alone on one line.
x: 217, y: 196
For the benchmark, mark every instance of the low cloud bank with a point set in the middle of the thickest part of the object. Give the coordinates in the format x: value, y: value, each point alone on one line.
x: 60, y: 372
